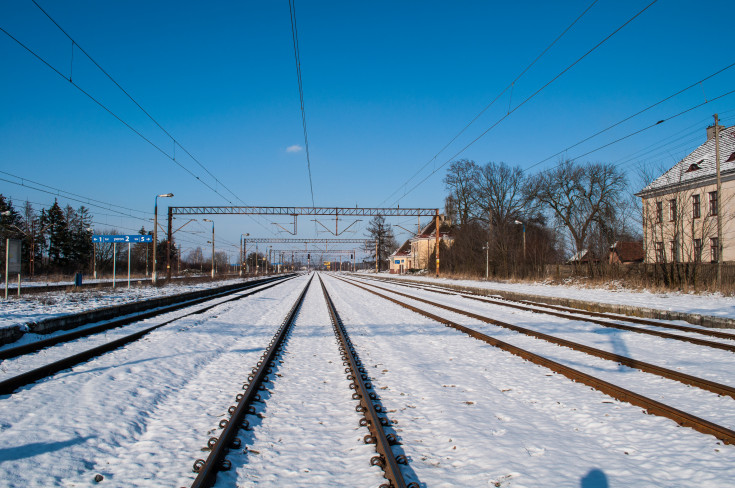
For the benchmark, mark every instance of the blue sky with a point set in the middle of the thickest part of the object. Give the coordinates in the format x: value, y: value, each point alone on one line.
x: 386, y: 86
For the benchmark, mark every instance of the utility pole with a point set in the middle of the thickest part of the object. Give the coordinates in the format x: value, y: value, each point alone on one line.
x: 437, y: 242
x: 720, y: 247
x: 155, y: 234
x: 208, y: 220
x: 376, y: 256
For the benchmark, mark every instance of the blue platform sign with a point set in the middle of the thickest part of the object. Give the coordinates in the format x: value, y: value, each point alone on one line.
x: 127, y: 238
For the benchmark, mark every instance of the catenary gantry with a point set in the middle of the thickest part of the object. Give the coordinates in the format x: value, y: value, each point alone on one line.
x: 296, y: 211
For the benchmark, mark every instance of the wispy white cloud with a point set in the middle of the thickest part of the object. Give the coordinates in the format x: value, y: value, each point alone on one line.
x: 294, y: 149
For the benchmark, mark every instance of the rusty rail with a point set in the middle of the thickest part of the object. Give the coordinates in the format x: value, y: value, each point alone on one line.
x: 700, y: 342
x: 362, y: 386
x: 714, y: 387
x: 216, y: 461
x: 16, y: 351
x: 651, y: 406
x: 11, y: 384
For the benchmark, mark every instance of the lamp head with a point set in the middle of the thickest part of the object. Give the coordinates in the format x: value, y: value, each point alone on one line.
x: 166, y: 195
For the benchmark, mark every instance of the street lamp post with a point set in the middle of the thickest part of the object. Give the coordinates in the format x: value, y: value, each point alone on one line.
x: 155, y: 232
x: 207, y: 220
x: 243, y: 252
x: 518, y: 222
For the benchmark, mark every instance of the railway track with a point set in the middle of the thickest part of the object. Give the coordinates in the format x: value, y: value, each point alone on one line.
x: 9, y: 385
x: 651, y: 406
x: 576, y: 314
x: 372, y: 412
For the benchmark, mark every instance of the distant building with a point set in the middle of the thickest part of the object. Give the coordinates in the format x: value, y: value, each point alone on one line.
x: 583, y: 256
x: 400, y: 260
x: 415, y: 252
x: 626, y: 253
x: 680, y: 207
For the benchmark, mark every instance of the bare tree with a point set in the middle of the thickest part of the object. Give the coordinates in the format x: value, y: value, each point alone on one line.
x: 460, y: 181
x: 578, y: 195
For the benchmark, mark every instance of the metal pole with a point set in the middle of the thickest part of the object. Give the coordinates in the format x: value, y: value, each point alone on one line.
x: 376, y: 256
x: 168, y: 245
x: 213, y: 249
x: 524, y: 242
x: 437, y: 242
x: 241, y: 262
x: 487, y: 259
x: 154, y: 277
x: 114, y: 263
x: 720, y: 247
x: 94, y: 261
x: 146, y: 261
x: 7, y: 263
x: 128, y: 265
x: 19, y: 284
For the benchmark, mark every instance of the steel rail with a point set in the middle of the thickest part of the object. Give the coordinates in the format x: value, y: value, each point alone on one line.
x: 16, y: 351
x: 579, y: 311
x: 714, y: 387
x: 651, y: 406
x: 207, y: 469
x: 9, y: 385
x: 611, y: 315
x: 362, y: 386
x: 666, y: 335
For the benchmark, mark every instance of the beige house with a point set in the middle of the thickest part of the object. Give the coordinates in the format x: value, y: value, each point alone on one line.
x: 680, y: 207
x: 415, y: 252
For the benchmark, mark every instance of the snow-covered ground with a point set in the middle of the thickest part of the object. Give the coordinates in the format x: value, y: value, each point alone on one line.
x: 471, y: 415
x: 467, y: 414
x: 32, y: 308
x: 703, y: 303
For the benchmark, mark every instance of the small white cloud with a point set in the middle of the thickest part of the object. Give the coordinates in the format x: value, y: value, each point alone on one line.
x: 294, y: 149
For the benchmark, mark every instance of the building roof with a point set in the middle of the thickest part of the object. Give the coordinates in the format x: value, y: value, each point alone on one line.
x: 628, y: 251
x: 699, y: 166
x: 404, y: 250
x: 429, y: 230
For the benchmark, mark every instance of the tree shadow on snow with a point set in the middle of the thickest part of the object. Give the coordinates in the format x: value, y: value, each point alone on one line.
x: 36, y: 448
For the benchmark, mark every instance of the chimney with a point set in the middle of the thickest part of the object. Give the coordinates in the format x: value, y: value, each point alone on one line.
x: 710, y: 132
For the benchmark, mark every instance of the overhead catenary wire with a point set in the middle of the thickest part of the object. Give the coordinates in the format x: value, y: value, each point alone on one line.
x: 632, y: 116
x: 125, y: 123
x: 510, y: 86
x: 529, y: 98
x: 130, y: 97
x: 297, y: 59
x: 651, y: 126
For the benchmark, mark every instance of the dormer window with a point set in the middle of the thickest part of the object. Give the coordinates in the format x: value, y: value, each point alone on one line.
x: 695, y: 166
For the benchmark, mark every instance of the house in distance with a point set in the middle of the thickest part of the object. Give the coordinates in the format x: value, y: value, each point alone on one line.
x: 680, y: 211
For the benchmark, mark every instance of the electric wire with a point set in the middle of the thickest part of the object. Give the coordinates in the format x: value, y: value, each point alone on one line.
x: 297, y: 59
x: 126, y: 124
x: 176, y: 143
x: 510, y: 85
x: 529, y: 98
x: 631, y: 116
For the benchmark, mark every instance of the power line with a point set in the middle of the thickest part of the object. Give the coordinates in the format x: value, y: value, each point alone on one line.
x: 176, y: 143
x: 108, y: 110
x: 632, y: 116
x: 510, y: 86
x: 297, y: 58
x: 527, y: 99
x: 652, y: 125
